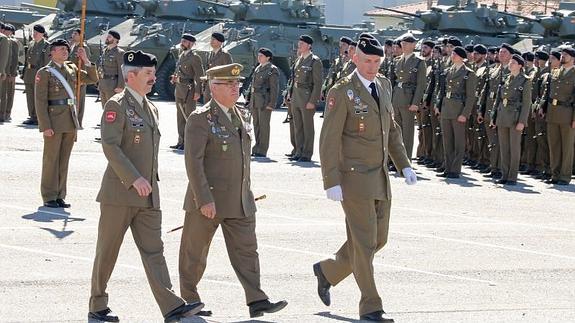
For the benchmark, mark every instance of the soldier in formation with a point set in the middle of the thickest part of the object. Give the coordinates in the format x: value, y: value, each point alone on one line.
x: 8, y: 79
x: 218, y: 56
x: 74, y: 46
x: 37, y: 56
x: 111, y: 80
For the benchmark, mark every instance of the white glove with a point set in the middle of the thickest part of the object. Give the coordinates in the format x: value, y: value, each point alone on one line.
x: 409, y: 174
x: 334, y: 193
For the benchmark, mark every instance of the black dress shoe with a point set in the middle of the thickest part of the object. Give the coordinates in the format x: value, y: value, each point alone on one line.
x: 444, y: 174
x: 511, y: 183
x: 485, y: 170
x: 452, y: 175
x: 289, y: 155
x: 265, y: 306
x: 259, y: 155
x: 497, y: 175
x: 323, y: 285
x: 183, y: 310
x: 378, y: 316
x: 304, y: 159
x: 294, y: 158
x: 501, y: 181
x: 62, y: 203
x: 439, y: 170
x: 562, y: 183
x: 98, y: 139
x: 31, y: 122
x: 104, y: 315
x: 392, y: 168
x: 204, y: 313
x: 176, y: 146
x: 52, y: 204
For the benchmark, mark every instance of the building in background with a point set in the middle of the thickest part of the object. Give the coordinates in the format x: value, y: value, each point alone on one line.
x: 49, y: 3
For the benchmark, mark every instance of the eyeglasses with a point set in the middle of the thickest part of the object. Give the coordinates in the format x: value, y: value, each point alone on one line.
x: 230, y: 84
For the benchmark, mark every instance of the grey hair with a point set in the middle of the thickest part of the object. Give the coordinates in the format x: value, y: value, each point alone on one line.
x: 127, y: 69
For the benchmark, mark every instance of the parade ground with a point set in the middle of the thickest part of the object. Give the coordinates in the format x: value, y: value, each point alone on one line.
x: 459, y: 250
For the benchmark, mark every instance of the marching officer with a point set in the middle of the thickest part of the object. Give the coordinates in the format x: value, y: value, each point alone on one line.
x: 74, y: 45
x: 560, y: 117
x: 37, y: 56
x: 129, y: 195
x: 408, y: 91
x: 111, y: 80
x: 8, y: 83
x: 218, y: 56
x: 217, y: 157
x: 305, y: 94
x: 189, y: 69
x: 513, y: 103
x: 264, y: 96
x: 358, y: 133
x: 57, y: 118
x: 458, y: 100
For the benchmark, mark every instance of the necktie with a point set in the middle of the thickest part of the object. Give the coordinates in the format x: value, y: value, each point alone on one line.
x: 235, y: 120
x: 374, y: 93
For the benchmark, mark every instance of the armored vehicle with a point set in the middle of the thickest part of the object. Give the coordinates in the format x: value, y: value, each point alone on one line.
x: 24, y: 14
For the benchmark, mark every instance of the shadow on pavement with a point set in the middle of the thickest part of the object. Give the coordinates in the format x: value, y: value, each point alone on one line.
x: 54, y: 215
x: 337, y: 317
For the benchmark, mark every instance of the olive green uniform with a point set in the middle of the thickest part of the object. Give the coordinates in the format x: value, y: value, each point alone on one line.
x: 458, y: 100
x: 346, y: 69
x: 513, y: 106
x: 540, y: 125
x: 560, y: 116
x: 57, y: 112
x: 189, y: 69
x: 535, y: 129
x: 483, y: 75
x: 217, y: 156
x: 110, y: 73
x: 130, y: 141
x: 8, y: 85
x: 82, y: 99
x: 410, y: 72
x: 221, y: 57
x: 425, y: 133
x: 264, y: 93
x: 306, y: 88
x: 37, y: 56
x: 356, y: 137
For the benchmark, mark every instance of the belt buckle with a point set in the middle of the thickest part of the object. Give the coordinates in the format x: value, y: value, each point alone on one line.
x: 400, y: 85
x: 69, y: 101
x: 491, y: 95
x: 448, y: 95
x: 505, y: 102
x: 554, y: 102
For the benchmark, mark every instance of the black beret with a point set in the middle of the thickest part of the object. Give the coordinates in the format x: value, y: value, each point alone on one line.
x: 370, y: 47
x: 59, y: 42
x: 2, y: 26
x: 366, y: 35
x: 508, y: 48
x: 460, y: 51
x: 353, y: 43
x: 518, y: 59
x: 469, y: 48
x: 528, y: 56
x: 219, y: 37
x: 397, y: 42
x: 306, y: 39
x: 40, y: 29
x: 541, y: 55
x: 77, y: 30
x: 454, y: 41
x: 139, y: 59
x: 388, y: 42
x: 493, y: 49
x: 114, y: 34
x: 189, y: 37
x: 437, y: 47
x: 555, y: 53
x: 429, y: 43
x: 408, y: 38
x: 346, y: 40
x: 480, y: 49
x: 569, y: 51
x: 266, y: 52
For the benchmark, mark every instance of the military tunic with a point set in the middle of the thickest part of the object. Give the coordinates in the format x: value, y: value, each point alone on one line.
x: 130, y: 141
x: 8, y: 85
x: 217, y: 156
x: 513, y: 105
x: 541, y: 148
x: 560, y: 117
x: 110, y: 73
x: 410, y: 85
x: 306, y: 88
x: 189, y: 69
x: 37, y: 56
x: 458, y: 100
x: 56, y: 111
x: 357, y: 136
x: 221, y: 57
x: 425, y: 138
x: 265, y: 91
x: 82, y: 99
x: 483, y: 74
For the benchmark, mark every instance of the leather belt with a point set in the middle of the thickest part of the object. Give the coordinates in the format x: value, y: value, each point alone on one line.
x: 183, y: 80
x: 31, y: 66
x: 451, y: 95
x: 557, y: 102
x: 405, y: 85
x: 109, y: 76
x: 298, y: 85
x: 61, y: 102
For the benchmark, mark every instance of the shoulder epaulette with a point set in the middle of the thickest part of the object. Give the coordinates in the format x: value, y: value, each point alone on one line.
x: 203, y: 109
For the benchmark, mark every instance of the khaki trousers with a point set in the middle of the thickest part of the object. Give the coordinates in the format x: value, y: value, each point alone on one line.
x: 494, y: 157
x: 146, y: 225
x: 30, y: 100
x: 542, y: 156
x: 510, y: 149
x: 106, y: 88
x: 437, y: 142
x: 241, y: 244
x: 406, y: 121
x: 261, y: 119
x: 55, y: 160
x: 453, y: 144
x: 367, y: 226
x: 304, y: 131
x: 81, y: 103
x: 183, y: 110
x: 561, y: 139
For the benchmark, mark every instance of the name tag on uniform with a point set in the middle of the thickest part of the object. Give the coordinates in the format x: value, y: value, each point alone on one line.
x: 505, y: 102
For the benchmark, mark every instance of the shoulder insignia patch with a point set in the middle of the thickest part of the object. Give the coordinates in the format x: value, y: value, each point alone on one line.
x: 331, y: 103
x: 37, y: 79
x: 110, y: 116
